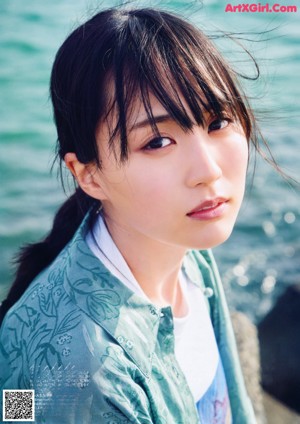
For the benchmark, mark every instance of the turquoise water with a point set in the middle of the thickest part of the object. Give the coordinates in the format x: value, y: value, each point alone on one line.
x: 263, y: 255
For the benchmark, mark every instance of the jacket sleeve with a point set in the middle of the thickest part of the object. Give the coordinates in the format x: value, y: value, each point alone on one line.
x: 111, y: 394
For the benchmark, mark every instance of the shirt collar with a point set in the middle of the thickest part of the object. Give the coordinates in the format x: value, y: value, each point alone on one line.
x: 104, y: 247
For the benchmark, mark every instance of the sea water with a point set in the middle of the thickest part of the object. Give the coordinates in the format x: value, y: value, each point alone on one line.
x: 262, y: 257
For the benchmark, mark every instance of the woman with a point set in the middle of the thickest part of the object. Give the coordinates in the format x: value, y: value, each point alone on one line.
x: 122, y: 316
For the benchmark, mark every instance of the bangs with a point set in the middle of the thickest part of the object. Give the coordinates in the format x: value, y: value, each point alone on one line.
x: 172, y: 60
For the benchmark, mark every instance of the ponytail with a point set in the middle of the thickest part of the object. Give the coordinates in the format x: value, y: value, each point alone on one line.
x: 35, y: 257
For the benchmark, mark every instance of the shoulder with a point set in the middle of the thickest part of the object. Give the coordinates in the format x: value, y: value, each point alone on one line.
x: 48, y: 343
x: 57, y: 321
x: 59, y: 339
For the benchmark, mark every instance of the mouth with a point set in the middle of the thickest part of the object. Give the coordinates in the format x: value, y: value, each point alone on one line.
x: 209, y: 209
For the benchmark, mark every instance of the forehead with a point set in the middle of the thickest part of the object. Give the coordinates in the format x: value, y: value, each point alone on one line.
x: 141, y: 106
x: 135, y: 105
x: 139, y: 114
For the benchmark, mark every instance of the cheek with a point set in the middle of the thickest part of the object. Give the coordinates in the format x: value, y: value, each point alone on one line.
x: 235, y: 159
x: 149, y: 184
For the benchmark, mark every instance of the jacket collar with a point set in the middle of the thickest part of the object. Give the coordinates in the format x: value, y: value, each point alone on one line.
x: 130, y: 319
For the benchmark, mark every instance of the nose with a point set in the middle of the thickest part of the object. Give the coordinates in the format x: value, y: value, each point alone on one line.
x: 203, y: 160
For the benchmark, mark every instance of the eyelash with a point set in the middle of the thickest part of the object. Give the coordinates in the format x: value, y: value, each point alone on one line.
x: 223, y: 119
x: 151, y: 144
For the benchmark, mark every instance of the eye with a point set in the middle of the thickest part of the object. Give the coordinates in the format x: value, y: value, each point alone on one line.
x: 218, y: 124
x: 158, y: 143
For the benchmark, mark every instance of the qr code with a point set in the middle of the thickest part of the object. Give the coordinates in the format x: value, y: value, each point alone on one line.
x: 18, y: 405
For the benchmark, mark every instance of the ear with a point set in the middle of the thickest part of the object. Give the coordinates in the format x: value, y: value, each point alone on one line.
x: 86, y: 175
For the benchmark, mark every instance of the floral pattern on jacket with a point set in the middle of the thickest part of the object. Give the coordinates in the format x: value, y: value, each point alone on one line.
x: 96, y: 353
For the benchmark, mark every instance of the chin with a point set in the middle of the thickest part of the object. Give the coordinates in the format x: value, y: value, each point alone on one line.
x: 213, y: 237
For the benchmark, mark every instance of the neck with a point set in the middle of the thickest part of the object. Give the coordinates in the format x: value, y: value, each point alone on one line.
x: 155, y: 266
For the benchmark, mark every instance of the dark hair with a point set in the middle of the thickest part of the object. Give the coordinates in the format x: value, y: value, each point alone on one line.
x: 103, y: 66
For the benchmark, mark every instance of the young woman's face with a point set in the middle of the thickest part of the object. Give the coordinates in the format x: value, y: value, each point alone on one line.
x: 183, y: 189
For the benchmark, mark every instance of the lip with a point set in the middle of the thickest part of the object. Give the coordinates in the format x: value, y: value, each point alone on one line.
x: 209, y: 209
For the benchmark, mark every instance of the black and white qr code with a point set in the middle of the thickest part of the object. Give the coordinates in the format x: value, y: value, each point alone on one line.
x: 18, y: 405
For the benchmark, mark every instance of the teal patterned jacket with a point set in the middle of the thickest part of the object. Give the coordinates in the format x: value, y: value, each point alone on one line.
x: 96, y: 353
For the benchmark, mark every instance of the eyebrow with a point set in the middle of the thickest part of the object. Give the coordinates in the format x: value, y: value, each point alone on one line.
x: 165, y: 117
x: 156, y: 119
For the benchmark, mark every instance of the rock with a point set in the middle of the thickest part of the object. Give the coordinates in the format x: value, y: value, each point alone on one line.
x: 248, y: 348
x: 279, y: 337
x: 277, y: 413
